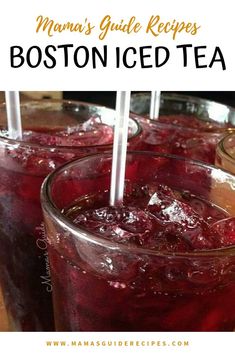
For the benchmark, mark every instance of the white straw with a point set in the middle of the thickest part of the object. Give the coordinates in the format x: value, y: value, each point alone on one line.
x: 13, y: 114
x: 119, y: 148
x: 155, y: 105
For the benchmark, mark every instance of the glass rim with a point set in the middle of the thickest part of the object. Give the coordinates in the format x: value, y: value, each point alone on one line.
x: 186, y: 98
x: 189, y: 99
x: 62, y: 220
x: 186, y: 128
x: 222, y: 149
x: 22, y: 143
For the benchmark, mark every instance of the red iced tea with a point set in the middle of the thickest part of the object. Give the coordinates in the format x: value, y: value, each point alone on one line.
x: 164, y: 261
x: 54, y: 133
x: 187, y: 126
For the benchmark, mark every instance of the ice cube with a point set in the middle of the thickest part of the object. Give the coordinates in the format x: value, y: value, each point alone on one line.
x: 225, y: 231
x: 186, y: 223
x: 121, y: 224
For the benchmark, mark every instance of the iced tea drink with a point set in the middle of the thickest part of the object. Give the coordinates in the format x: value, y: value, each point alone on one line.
x: 163, y: 261
x: 54, y: 133
x: 187, y: 126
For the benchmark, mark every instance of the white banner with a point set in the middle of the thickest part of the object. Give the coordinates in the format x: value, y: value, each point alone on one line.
x: 111, y: 45
x: 100, y: 342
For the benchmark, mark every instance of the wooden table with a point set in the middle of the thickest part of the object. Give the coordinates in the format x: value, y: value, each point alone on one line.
x: 3, y: 316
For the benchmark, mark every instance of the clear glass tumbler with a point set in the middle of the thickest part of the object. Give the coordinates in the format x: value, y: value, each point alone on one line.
x: 187, y: 126
x: 165, y: 261
x: 54, y: 132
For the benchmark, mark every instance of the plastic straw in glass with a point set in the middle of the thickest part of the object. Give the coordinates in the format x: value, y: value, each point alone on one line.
x: 155, y: 105
x: 119, y: 148
x: 13, y: 114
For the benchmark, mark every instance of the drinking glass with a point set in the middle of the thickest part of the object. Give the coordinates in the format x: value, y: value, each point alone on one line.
x: 54, y: 132
x: 122, y: 275
x: 187, y: 126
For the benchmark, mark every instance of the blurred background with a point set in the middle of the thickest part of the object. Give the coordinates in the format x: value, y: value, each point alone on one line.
x: 107, y: 98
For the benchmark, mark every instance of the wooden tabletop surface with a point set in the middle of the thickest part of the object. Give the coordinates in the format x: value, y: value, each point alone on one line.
x: 3, y: 317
